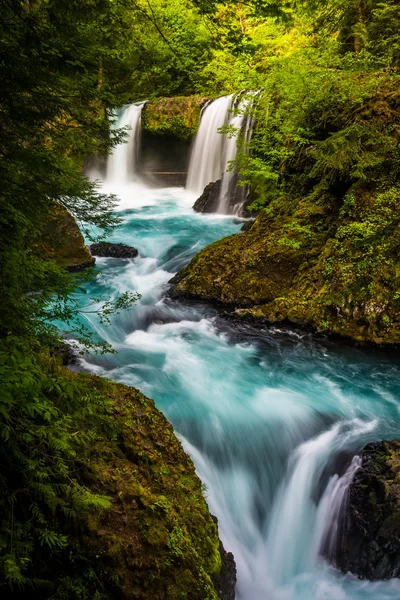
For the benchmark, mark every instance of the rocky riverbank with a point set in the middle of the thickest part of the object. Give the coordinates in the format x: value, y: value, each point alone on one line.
x: 318, y: 265
x: 158, y: 539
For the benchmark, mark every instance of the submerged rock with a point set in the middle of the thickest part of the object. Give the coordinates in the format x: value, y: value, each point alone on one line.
x: 209, y: 200
x: 111, y: 250
x: 369, y: 543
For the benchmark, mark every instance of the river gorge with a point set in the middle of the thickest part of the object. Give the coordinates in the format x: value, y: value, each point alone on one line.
x: 273, y: 418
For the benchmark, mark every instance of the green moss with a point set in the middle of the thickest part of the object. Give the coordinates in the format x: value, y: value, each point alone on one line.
x: 62, y: 241
x: 179, y: 116
x: 312, y: 262
x: 158, y: 537
x: 139, y: 526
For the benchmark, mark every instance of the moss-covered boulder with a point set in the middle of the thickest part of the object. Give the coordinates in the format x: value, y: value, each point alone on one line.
x: 322, y: 262
x: 158, y: 540
x: 152, y: 536
x: 99, y: 500
x: 369, y: 544
x: 62, y: 241
x: 178, y: 116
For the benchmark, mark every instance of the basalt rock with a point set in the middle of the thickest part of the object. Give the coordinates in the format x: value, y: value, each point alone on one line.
x: 111, y: 250
x: 178, y: 116
x: 225, y: 582
x: 209, y: 200
x: 369, y: 543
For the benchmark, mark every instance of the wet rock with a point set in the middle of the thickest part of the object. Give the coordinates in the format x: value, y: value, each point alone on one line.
x: 111, y: 250
x: 369, y: 542
x: 225, y: 582
x: 209, y: 200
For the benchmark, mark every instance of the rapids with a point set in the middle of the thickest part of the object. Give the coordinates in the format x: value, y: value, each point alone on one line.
x: 272, y: 418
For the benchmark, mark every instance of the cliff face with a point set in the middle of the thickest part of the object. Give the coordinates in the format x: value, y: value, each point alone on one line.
x: 328, y: 264
x: 369, y: 544
x: 178, y: 116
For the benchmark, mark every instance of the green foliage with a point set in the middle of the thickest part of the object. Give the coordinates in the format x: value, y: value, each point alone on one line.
x: 48, y: 424
x: 324, y: 170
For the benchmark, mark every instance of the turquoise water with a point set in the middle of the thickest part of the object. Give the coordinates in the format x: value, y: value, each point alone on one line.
x: 271, y: 418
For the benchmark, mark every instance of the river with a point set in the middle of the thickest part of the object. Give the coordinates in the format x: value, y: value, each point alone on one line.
x: 272, y: 418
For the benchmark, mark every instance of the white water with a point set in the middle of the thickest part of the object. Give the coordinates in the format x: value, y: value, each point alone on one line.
x: 272, y: 419
x: 213, y: 153
x: 122, y: 163
x: 241, y: 122
x: 208, y: 158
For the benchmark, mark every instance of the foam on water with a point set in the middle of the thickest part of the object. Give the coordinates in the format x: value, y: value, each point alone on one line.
x: 272, y: 419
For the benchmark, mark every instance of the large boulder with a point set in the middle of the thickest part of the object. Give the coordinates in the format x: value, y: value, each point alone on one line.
x: 369, y: 543
x: 210, y: 199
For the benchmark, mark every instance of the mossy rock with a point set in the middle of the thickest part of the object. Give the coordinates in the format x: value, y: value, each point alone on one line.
x: 125, y: 508
x: 158, y: 540
x: 62, y: 241
x: 310, y: 263
x: 178, y: 116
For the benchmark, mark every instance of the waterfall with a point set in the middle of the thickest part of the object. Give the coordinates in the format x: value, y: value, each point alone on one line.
x: 332, y: 507
x: 122, y: 163
x: 207, y: 161
x: 213, y: 153
x: 302, y: 525
x: 240, y: 122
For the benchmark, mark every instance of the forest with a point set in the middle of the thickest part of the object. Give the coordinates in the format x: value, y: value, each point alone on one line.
x: 323, y: 170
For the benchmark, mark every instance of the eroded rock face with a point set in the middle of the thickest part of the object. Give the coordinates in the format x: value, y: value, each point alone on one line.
x: 178, y: 116
x: 209, y: 200
x: 225, y: 582
x: 111, y: 250
x: 369, y: 543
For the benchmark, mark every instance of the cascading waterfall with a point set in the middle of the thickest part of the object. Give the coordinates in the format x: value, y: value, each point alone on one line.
x: 207, y: 161
x: 122, y: 163
x: 331, y: 509
x: 276, y: 438
x: 242, y: 123
x: 213, y: 153
x: 301, y: 523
